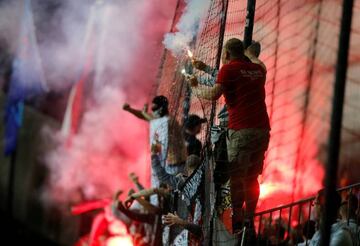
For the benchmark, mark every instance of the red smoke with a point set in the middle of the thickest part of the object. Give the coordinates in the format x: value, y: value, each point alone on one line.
x: 110, y: 143
x: 293, y: 167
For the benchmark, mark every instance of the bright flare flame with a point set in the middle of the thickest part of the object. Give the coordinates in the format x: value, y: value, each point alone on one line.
x: 266, y: 189
x: 119, y: 241
x: 183, y: 71
x: 190, y: 54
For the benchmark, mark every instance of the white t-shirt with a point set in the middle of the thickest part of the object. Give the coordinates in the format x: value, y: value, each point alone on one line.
x: 159, y: 130
x: 340, y: 236
x: 168, y: 133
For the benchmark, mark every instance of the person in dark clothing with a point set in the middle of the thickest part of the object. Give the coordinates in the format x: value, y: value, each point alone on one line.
x: 174, y: 182
x: 153, y: 216
x: 181, y: 220
x: 192, y: 128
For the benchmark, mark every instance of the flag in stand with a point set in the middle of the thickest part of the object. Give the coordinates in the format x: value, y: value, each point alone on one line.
x: 73, y: 112
x: 27, y: 79
x: 89, y: 56
x: 75, y: 104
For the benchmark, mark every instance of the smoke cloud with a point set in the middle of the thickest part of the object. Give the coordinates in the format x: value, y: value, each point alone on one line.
x: 119, y: 49
x: 124, y: 50
x: 187, y: 26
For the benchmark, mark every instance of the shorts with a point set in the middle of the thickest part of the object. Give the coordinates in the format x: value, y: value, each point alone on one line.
x: 246, y: 150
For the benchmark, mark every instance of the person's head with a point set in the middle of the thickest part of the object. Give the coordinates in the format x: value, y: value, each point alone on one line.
x: 320, y: 203
x: 349, y: 207
x: 193, y: 124
x: 255, y: 48
x: 160, y: 106
x: 192, y: 162
x: 233, y: 49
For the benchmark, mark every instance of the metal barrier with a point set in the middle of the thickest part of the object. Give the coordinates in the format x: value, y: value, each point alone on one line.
x: 281, y: 225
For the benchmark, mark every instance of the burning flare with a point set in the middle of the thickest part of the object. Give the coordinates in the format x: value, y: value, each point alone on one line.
x: 189, y: 53
x: 183, y: 71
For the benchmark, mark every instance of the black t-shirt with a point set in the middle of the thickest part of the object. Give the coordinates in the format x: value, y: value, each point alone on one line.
x: 193, y: 145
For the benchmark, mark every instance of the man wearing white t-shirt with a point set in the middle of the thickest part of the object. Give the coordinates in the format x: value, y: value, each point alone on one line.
x: 166, y: 131
x: 340, y: 235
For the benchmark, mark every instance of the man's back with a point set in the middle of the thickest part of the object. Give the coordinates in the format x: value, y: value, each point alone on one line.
x: 243, y: 87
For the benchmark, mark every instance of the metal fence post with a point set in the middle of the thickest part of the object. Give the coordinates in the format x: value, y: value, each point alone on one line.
x: 336, y: 121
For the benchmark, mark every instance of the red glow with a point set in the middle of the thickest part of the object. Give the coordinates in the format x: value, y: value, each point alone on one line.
x: 104, y: 224
x: 110, y: 143
x: 88, y: 206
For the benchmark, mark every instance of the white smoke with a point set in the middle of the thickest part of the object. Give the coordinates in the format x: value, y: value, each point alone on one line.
x: 187, y: 27
x: 107, y: 29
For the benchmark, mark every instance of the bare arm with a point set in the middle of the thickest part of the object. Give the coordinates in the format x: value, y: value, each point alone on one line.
x: 173, y: 219
x: 207, y: 69
x: 141, y: 114
x: 144, y: 193
x: 148, y: 206
x: 161, y: 174
x: 206, y: 92
x: 255, y: 59
x: 142, y: 217
x: 149, y: 192
x: 139, y: 186
x: 204, y: 67
x: 135, y: 179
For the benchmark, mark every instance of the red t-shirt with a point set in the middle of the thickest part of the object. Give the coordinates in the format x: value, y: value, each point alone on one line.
x: 243, y: 88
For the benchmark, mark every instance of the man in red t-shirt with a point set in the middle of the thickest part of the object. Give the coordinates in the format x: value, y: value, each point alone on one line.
x: 242, y: 84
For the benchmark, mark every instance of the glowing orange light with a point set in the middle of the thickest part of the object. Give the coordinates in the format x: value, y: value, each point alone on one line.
x: 190, y: 54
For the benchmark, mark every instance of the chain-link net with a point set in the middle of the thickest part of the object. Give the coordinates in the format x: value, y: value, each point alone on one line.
x: 299, y: 42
